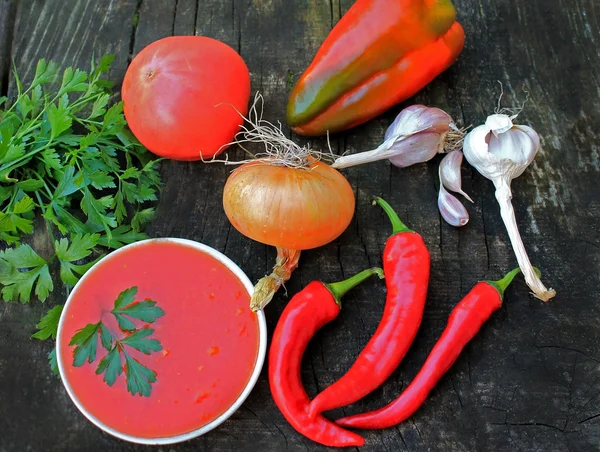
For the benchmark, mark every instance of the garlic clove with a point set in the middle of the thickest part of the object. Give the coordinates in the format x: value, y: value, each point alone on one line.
x: 499, y: 123
x: 450, y: 175
x: 515, y: 145
x: 417, y: 134
x: 417, y: 118
x: 535, y: 140
x: 418, y: 148
x: 451, y: 209
x: 490, y: 165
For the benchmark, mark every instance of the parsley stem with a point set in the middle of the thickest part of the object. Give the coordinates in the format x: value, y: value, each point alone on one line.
x: 41, y: 179
x: 83, y: 100
x: 84, y: 122
x: 15, y: 163
x: 41, y: 205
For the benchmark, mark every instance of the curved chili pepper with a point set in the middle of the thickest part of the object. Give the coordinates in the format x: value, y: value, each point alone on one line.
x: 463, y: 324
x: 303, y: 316
x: 380, y: 53
x: 406, y: 267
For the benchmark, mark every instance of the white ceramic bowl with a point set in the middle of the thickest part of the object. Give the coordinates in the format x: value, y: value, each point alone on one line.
x: 262, y: 347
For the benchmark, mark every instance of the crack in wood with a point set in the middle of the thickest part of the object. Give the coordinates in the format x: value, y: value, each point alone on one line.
x: 529, y: 424
x: 591, y: 418
x: 174, y: 17
x: 456, y: 391
x: 196, y: 18
x: 8, y: 12
x: 402, y: 438
x: 136, y: 20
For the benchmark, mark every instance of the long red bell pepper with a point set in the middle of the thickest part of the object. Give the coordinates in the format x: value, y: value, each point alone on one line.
x: 380, y: 53
x: 406, y: 264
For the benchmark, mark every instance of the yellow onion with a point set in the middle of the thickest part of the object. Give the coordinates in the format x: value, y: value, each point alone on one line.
x: 291, y: 208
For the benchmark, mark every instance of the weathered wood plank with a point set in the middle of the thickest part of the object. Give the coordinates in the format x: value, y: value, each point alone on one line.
x: 7, y: 19
x: 70, y: 32
x: 530, y: 380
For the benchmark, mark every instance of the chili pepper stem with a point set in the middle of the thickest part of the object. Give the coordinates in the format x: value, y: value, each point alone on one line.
x: 339, y: 289
x: 397, y: 224
x: 502, y: 284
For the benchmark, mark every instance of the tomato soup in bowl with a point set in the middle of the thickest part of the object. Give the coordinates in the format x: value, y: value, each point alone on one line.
x: 167, y: 323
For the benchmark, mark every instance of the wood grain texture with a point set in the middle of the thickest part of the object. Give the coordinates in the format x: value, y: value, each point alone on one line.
x: 7, y: 20
x: 529, y: 381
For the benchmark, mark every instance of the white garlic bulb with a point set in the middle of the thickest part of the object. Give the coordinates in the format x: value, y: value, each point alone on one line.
x: 501, y: 151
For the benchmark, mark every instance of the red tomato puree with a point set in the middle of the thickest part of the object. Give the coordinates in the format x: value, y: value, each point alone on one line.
x: 210, y: 339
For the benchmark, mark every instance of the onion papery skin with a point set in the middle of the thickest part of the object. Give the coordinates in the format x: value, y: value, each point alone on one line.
x: 294, y: 208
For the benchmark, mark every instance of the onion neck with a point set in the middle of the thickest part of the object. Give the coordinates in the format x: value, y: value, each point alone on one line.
x: 287, y: 262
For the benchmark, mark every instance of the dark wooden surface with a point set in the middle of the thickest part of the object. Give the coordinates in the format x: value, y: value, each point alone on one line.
x: 530, y: 381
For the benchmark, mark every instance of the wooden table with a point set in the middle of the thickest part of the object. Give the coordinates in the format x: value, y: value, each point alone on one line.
x: 530, y: 381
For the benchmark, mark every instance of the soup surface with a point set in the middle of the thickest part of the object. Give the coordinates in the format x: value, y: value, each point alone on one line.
x: 209, y: 339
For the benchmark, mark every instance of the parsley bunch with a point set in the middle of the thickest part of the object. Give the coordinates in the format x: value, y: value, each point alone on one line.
x: 69, y: 157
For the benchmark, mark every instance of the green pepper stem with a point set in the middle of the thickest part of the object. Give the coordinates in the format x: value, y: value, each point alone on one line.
x: 397, y: 224
x: 502, y: 284
x: 339, y: 289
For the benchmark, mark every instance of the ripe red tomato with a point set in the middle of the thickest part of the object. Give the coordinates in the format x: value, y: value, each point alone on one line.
x: 181, y: 94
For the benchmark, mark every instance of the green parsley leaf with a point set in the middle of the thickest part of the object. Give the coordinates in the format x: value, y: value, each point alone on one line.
x: 126, y: 297
x: 139, y: 377
x: 142, y: 217
x: 21, y: 269
x: 114, y: 121
x: 99, y: 107
x: 66, y: 185
x: 22, y: 257
x: 81, y: 246
x: 59, y: 120
x: 110, y: 366
x: 53, y: 362
x: 44, y: 73
x: 106, y: 339
x: 139, y: 341
x: 86, y: 340
x: 73, y: 81
x: 125, y: 305
x: 124, y: 323
x: 100, y: 180
x: 48, y: 325
x: 123, y: 235
x: 95, y: 209
x: 30, y: 185
x: 119, y: 207
x: 146, y: 311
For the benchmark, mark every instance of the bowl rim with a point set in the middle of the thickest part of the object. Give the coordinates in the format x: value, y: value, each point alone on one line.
x: 258, y: 365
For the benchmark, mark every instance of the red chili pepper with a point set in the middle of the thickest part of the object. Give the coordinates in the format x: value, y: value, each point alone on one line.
x: 463, y: 324
x: 304, y: 315
x: 406, y: 267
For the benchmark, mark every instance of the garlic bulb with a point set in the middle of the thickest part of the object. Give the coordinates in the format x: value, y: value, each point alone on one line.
x: 417, y: 134
x: 449, y: 173
x: 501, y: 151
